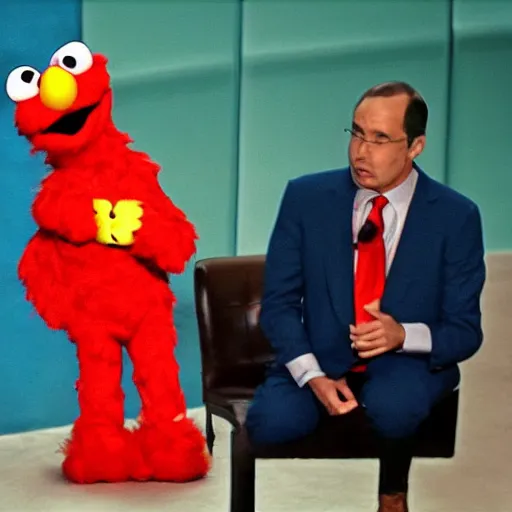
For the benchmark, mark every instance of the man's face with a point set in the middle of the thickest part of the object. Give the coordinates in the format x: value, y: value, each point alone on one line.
x: 383, y: 159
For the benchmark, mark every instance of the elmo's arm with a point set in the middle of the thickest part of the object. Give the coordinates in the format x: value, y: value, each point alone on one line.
x: 62, y: 207
x: 166, y: 236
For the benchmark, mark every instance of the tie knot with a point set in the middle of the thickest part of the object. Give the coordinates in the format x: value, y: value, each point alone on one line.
x: 379, y: 202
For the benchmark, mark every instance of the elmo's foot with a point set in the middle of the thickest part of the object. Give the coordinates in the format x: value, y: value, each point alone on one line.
x: 175, y: 452
x: 100, y: 453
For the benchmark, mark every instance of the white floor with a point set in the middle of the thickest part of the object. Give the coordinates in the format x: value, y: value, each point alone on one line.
x: 476, y: 480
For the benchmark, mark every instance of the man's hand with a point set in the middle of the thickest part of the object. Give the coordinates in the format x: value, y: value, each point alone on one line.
x: 326, y: 390
x: 378, y: 336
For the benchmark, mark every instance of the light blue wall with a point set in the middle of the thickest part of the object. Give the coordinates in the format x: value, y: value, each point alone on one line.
x: 233, y: 99
x: 480, y: 157
x: 305, y: 63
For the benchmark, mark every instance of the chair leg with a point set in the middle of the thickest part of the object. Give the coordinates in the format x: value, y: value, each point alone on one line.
x: 243, y: 473
x: 210, y: 434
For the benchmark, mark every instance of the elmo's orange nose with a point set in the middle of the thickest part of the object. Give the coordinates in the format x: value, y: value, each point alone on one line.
x: 58, y: 89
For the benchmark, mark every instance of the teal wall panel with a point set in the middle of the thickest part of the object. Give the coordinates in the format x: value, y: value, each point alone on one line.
x: 480, y: 161
x: 174, y: 75
x: 304, y: 65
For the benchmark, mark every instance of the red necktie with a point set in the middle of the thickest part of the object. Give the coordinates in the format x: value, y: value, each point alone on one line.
x: 370, y: 275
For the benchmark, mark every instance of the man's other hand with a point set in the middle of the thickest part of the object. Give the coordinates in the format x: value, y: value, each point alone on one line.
x: 381, y: 335
x: 327, y: 390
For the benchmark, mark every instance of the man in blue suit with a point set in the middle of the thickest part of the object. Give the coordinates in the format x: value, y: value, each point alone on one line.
x: 424, y: 321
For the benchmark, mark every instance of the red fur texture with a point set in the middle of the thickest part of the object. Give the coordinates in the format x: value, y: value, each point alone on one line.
x: 109, y: 298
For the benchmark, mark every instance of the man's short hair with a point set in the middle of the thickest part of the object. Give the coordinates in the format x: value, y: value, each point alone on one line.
x: 416, y: 114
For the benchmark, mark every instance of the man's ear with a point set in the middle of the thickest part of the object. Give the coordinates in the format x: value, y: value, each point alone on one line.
x: 417, y: 147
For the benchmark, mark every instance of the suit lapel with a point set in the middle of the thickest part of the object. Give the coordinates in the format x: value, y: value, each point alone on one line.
x: 338, y: 251
x: 414, y: 241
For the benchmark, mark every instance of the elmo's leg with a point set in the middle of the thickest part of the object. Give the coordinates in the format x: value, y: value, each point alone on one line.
x: 173, y: 447
x: 100, y: 448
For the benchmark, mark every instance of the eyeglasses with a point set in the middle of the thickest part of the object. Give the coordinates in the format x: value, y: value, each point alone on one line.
x: 376, y: 142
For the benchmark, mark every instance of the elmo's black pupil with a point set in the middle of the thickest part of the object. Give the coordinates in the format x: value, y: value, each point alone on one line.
x: 27, y: 76
x: 69, y: 62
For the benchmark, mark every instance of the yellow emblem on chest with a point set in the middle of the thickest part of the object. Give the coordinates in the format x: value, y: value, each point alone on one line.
x: 117, y: 224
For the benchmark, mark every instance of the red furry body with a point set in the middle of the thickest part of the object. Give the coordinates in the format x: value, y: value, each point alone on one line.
x: 109, y: 297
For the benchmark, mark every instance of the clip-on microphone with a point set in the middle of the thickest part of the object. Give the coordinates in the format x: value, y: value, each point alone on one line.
x: 367, y: 233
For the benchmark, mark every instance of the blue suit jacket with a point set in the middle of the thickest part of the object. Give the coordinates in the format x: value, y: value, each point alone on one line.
x: 436, y: 277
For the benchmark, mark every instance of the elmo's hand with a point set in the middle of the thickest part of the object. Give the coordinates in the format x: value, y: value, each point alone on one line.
x: 116, y: 225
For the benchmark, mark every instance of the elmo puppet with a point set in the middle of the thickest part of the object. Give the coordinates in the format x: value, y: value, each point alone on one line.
x: 97, y: 268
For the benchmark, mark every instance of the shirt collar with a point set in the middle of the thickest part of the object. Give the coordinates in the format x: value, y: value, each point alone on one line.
x: 399, y: 197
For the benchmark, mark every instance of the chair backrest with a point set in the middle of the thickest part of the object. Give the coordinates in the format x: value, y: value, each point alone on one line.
x: 234, y: 351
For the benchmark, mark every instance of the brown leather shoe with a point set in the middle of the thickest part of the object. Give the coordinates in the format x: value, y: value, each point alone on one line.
x: 393, y: 502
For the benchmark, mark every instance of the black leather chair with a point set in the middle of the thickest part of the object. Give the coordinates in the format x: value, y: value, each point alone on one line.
x: 234, y: 356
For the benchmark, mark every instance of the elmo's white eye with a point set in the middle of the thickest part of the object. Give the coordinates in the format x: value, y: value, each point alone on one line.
x: 74, y: 57
x: 22, y: 83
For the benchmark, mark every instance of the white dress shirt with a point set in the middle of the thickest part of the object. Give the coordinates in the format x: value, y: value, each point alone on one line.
x: 417, y: 335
